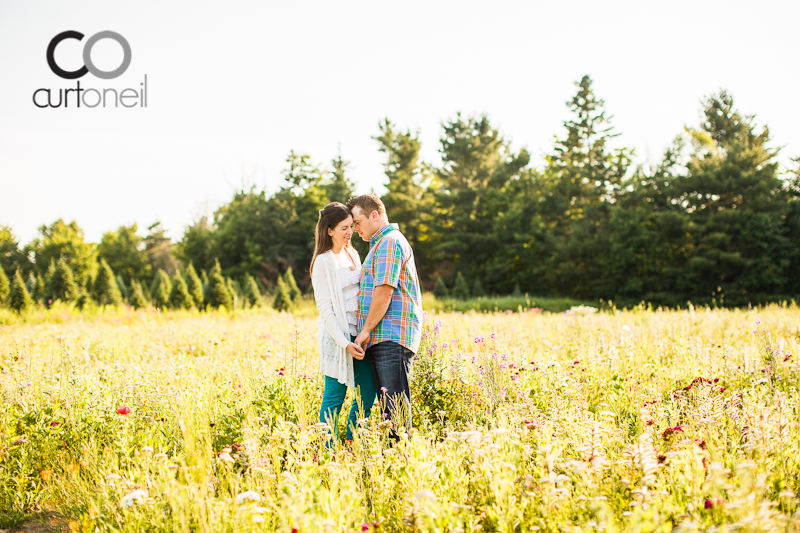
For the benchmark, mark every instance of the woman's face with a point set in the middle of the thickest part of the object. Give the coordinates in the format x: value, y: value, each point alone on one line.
x: 342, y: 232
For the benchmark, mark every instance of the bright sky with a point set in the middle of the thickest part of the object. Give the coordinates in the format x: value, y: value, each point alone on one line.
x: 233, y: 86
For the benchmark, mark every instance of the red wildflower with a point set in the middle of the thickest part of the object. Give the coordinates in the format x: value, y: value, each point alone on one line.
x: 669, y: 432
x: 123, y: 410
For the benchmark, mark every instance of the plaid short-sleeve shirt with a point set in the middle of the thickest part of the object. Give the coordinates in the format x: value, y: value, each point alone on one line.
x: 391, y: 262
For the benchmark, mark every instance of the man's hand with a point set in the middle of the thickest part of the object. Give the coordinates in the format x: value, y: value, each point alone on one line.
x: 381, y: 298
x: 362, y: 338
x: 356, y: 351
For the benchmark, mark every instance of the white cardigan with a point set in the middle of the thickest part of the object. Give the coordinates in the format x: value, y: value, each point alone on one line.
x: 333, y: 330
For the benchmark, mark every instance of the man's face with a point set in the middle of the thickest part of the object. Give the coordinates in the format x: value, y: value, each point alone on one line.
x: 365, y: 226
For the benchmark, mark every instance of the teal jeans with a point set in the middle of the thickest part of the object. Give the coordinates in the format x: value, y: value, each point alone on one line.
x: 333, y: 397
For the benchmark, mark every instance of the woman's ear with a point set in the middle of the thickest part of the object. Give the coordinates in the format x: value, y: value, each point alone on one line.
x: 330, y: 233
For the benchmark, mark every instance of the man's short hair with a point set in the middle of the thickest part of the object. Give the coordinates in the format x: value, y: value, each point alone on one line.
x: 367, y: 203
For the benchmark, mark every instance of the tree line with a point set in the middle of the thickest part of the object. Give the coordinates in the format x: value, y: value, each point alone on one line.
x: 716, y: 219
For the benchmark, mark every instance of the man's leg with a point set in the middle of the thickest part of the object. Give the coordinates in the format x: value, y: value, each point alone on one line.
x: 391, y: 363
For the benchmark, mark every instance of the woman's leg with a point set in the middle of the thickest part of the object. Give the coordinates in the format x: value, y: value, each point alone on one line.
x: 365, y: 391
x: 332, y: 400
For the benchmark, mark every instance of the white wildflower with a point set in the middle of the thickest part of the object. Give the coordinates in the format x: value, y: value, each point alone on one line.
x: 133, y: 497
x: 226, y: 457
x: 425, y: 495
x: 248, y: 496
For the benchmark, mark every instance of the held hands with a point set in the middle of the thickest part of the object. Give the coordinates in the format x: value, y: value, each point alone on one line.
x: 356, y: 351
x: 362, y: 338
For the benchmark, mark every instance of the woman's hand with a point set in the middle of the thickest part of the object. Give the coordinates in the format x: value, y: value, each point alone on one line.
x: 356, y: 351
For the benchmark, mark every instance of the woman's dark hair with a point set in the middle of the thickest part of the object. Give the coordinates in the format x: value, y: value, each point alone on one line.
x: 329, y: 216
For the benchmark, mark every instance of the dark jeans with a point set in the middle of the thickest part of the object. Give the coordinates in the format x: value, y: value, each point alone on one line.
x: 391, y: 365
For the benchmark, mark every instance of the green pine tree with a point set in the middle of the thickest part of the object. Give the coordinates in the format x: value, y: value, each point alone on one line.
x: 251, y: 291
x: 217, y: 294
x: 291, y: 284
x: 179, y: 297
x: 137, y: 298
x: 104, y: 289
x: 283, y: 301
x: 460, y: 289
x: 84, y: 298
x: 47, y: 294
x: 62, y: 283
x: 86, y: 283
x: 160, y: 290
x: 472, y: 193
x: 406, y: 201
x: 194, y: 285
x: 517, y: 293
x: 40, y: 289
x: 233, y: 291
x: 340, y: 187
x: 4, y: 287
x: 477, y: 289
x: 124, y: 290
x: 19, y: 300
x: 30, y: 284
x: 204, y: 280
x: 440, y: 289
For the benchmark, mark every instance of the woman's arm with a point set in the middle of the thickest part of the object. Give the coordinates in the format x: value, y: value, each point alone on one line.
x: 324, y: 301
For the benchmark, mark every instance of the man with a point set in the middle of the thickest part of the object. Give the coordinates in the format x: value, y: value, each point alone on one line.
x: 389, y: 307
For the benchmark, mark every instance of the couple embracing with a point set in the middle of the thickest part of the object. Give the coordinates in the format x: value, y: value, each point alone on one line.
x: 370, y: 315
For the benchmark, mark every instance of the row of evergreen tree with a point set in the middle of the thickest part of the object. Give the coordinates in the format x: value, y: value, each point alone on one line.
x: 715, y: 218
x: 184, y: 290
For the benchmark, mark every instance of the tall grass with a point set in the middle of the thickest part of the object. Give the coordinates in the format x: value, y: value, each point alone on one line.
x: 616, y: 421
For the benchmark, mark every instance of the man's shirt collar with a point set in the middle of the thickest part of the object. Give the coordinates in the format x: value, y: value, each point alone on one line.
x: 381, y: 232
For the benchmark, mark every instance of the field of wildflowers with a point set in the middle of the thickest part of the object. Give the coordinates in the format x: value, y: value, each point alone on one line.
x: 640, y: 420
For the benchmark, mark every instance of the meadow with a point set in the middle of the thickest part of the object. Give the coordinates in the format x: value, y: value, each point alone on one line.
x: 526, y: 420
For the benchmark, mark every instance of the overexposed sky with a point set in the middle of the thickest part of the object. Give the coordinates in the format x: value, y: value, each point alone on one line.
x: 233, y: 86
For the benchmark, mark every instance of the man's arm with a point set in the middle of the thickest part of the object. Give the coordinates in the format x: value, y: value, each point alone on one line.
x: 381, y: 298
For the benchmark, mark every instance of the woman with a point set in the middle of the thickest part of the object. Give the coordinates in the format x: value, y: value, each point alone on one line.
x: 335, y: 273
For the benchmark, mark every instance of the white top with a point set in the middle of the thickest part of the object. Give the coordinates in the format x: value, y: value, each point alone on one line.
x: 333, y: 325
x: 350, y: 279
